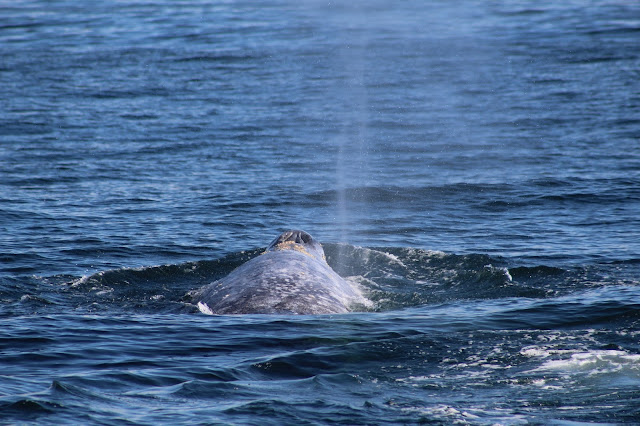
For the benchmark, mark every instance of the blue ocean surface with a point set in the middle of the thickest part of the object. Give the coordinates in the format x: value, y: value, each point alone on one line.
x: 473, y: 167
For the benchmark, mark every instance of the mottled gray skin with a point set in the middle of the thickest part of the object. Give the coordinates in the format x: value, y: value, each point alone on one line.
x: 291, y: 277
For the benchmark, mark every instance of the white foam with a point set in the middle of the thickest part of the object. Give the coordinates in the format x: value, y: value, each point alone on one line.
x: 505, y: 271
x: 360, y: 298
x: 394, y: 258
x: 389, y: 256
x: 82, y: 280
x: 205, y: 309
x: 444, y: 412
x: 507, y: 274
x: 542, y: 351
x: 430, y: 253
x: 596, y: 362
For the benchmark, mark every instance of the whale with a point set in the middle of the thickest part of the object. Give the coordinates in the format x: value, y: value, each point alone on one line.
x: 292, y: 276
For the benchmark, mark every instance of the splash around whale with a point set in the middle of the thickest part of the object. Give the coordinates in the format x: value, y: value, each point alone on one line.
x: 291, y: 277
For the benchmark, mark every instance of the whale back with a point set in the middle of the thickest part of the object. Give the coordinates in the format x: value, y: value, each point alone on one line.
x: 290, y: 277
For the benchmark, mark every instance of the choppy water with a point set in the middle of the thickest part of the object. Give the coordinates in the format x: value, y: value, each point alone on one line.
x: 473, y: 166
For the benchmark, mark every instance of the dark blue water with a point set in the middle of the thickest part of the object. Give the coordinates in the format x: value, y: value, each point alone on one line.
x: 473, y: 166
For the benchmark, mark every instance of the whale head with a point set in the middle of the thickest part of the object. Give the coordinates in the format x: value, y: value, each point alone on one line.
x: 299, y: 241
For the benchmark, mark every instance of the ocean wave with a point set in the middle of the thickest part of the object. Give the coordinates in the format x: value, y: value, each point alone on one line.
x: 526, y: 192
x: 391, y: 278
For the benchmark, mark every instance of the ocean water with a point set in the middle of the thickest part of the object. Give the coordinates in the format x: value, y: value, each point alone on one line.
x: 474, y: 167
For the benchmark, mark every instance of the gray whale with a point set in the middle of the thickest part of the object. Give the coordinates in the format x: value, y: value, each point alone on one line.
x: 291, y: 277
